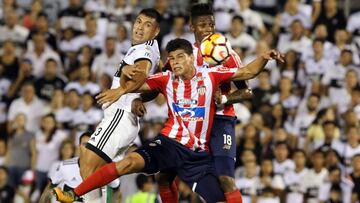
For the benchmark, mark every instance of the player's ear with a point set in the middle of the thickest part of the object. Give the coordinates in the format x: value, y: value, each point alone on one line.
x: 157, y: 30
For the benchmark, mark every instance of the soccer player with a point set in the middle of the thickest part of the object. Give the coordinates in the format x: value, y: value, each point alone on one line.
x: 182, y: 146
x: 67, y: 175
x: 119, y: 127
x: 222, y: 141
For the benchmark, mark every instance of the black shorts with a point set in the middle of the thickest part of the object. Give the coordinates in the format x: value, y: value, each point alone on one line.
x: 194, y: 168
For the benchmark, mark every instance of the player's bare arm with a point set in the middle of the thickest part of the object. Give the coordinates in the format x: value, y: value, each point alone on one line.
x: 126, y: 85
x: 239, y: 95
x: 256, y: 66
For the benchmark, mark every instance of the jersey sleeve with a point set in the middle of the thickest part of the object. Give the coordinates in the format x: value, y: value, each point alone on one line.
x: 221, y: 73
x: 234, y: 61
x: 140, y: 52
x: 54, y: 173
x: 158, y: 81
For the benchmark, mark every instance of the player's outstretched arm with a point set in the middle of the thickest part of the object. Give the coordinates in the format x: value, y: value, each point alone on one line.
x: 47, y: 194
x: 256, y: 66
x: 127, y: 84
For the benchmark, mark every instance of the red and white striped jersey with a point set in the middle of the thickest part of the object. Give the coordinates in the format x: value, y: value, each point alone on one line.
x: 191, y: 106
x: 233, y: 62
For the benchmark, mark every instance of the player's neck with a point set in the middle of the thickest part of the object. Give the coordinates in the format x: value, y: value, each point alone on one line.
x: 189, y: 74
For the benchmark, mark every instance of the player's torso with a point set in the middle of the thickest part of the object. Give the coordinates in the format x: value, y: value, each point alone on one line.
x: 192, y: 109
x: 225, y: 87
x: 149, y: 51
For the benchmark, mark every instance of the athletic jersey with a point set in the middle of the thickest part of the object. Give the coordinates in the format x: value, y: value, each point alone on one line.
x: 66, y: 175
x: 190, y: 104
x: 294, y: 185
x: 233, y: 62
x: 149, y: 51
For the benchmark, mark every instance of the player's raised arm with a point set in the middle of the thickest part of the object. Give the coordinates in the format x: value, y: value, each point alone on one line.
x: 256, y: 66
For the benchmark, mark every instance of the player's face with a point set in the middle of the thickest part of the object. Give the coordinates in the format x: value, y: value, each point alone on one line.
x: 145, y: 28
x: 203, y: 26
x: 180, y: 62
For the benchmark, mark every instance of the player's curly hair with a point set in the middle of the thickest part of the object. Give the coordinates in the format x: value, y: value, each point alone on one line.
x: 179, y: 43
x: 201, y: 10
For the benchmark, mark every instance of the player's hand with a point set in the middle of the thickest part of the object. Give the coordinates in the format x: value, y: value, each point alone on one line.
x: 130, y: 70
x: 274, y: 54
x: 217, y: 96
x: 109, y: 96
x: 138, y: 108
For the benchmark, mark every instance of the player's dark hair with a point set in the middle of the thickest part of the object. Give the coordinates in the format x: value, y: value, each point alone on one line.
x: 85, y: 134
x: 152, y: 13
x: 179, y: 43
x: 201, y: 10
x: 141, y: 179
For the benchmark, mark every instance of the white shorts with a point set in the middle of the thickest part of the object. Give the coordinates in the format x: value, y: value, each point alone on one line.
x: 115, y: 133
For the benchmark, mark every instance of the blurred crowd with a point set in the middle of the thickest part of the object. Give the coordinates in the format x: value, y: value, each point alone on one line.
x: 298, y: 138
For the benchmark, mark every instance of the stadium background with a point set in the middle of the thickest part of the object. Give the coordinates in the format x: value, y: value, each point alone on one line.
x: 312, y: 101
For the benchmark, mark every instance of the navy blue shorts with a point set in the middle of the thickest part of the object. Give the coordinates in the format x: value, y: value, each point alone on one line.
x: 223, y: 145
x: 194, y: 168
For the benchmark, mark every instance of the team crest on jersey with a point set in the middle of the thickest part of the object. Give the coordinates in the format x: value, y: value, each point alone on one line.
x: 201, y: 90
x: 189, y: 114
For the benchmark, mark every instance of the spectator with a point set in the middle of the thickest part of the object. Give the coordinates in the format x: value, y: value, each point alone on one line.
x: 252, y: 19
x: 285, y: 96
x: 28, y: 104
x: 296, y: 40
x: 315, y: 177
x: 65, y: 115
x: 290, y: 68
x: 72, y: 17
x: 238, y: 37
x: 12, y: 30
x: 122, y: 11
x: 329, y: 142
x: 250, y: 140
x: 269, y: 185
x: 293, y: 12
x: 4, y: 88
x: 247, y: 182
x: 281, y: 163
x: 145, y: 186
x: 47, y: 141
x: 83, y: 84
x: 19, y: 154
x: 9, y: 60
x: 41, y: 54
x: 24, y: 75
x: 29, y: 19
x: 355, y: 177
x: 157, y: 109
x: 332, y: 18
x: 90, y: 37
x: 294, y: 178
x: 162, y: 6
x: 46, y: 85
x: 7, y: 191
x: 42, y: 26
x: 262, y: 93
x: 123, y: 42
x: 108, y: 61
x: 223, y: 12
x: 333, y: 159
x: 350, y: 148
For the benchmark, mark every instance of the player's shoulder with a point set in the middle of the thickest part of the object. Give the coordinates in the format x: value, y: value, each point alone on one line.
x: 163, y: 74
x: 150, y: 44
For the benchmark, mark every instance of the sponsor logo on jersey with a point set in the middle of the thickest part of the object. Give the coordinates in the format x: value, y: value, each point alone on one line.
x: 222, y: 69
x: 182, y: 102
x: 189, y: 114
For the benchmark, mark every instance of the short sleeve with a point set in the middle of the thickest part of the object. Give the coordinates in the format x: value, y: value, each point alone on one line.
x: 158, y: 81
x: 54, y: 173
x: 221, y: 73
x: 138, y: 53
x: 234, y: 61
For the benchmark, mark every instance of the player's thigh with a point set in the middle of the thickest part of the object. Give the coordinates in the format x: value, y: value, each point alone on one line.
x: 208, y: 187
x: 114, y: 134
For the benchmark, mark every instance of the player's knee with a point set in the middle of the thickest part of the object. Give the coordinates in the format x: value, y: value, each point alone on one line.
x: 227, y: 183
